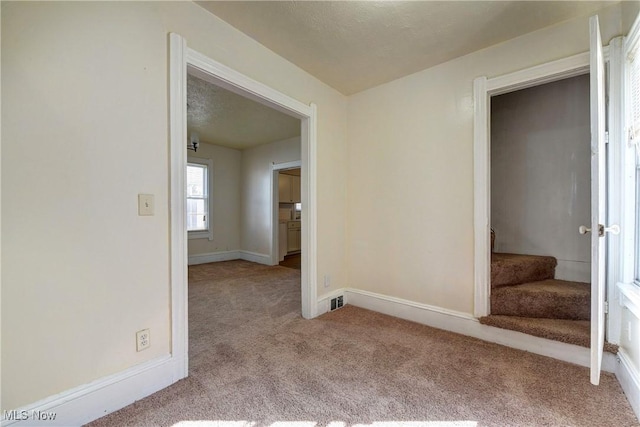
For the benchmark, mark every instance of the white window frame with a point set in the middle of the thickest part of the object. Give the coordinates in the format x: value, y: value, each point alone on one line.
x: 627, y: 284
x: 632, y: 146
x: 208, y: 233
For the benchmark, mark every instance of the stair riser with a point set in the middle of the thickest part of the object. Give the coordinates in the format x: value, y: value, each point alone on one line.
x: 532, y: 272
x: 577, y: 333
x: 550, y: 306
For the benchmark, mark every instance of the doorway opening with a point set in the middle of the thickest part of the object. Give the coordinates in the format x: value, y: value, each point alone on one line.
x: 186, y: 62
x: 593, y: 63
x: 484, y: 89
x: 288, y: 204
x: 540, y: 191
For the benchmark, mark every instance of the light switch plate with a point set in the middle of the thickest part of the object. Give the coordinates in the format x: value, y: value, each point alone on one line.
x: 145, y: 204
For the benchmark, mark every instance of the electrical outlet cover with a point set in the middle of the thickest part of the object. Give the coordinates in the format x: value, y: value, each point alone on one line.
x: 143, y: 340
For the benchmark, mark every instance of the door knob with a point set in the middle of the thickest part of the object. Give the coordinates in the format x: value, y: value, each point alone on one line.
x: 614, y: 229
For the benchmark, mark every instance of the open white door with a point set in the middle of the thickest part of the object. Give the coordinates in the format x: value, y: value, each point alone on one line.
x: 598, y: 199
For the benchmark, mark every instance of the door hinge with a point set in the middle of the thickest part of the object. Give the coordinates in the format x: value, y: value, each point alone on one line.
x: 606, y: 307
x: 606, y: 137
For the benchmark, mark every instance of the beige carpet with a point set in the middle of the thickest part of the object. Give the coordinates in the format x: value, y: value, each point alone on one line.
x: 254, y: 359
x: 526, y: 298
x: 513, y: 269
x: 551, y: 299
x: 577, y: 332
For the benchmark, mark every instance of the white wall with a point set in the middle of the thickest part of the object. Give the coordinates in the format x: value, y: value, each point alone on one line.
x: 86, y: 85
x: 77, y: 258
x: 410, y: 157
x: 628, y: 369
x: 630, y: 10
x: 225, y: 192
x: 541, y: 174
x: 630, y: 337
x: 256, y: 207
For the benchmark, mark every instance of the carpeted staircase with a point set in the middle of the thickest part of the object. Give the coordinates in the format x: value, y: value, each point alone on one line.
x: 526, y: 297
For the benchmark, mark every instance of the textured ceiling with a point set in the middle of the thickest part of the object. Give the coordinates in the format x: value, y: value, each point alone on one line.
x: 356, y: 45
x: 223, y: 118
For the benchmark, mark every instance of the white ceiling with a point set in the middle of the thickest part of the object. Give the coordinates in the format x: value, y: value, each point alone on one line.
x: 356, y: 45
x: 223, y: 118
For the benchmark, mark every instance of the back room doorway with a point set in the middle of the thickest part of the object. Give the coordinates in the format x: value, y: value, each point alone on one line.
x: 232, y: 141
x: 185, y: 62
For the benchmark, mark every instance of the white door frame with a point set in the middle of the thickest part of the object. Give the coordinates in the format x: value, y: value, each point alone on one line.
x: 181, y: 59
x: 483, y: 90
x: 275, y: 217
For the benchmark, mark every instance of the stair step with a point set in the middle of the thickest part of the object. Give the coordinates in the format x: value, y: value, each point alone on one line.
x: 514, y: 269
x: 576, y: 332
x: 555, y: 299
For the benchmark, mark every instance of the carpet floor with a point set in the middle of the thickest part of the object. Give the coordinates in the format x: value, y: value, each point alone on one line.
x: 526, y: 297
x: 551, y: 299
x: 254, y: 361
x: 577, y: 332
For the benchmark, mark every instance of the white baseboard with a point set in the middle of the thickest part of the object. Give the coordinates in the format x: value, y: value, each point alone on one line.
x: 89, y: 402
x: 466, y: 324
x: 629, y: 378
x: 213, y: 257
x: 324, y: 301
x: 256, y: 257
x: 228, y: 256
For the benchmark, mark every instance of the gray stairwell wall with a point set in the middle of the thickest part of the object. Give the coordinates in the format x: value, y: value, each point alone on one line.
x: 540, y: 173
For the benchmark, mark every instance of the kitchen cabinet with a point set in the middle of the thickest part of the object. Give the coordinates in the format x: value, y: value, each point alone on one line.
x: 295, y: 189
x: 294, y: 236
x: 288, y: 188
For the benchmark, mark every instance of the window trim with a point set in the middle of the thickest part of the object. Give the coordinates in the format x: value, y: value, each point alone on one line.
x: 631, y: 269
x: 204, y: 234
x: 628, y: 288
x: 632, y: 165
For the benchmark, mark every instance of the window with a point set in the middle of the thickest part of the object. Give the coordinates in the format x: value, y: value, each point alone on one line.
x: 198, y: 199
x: 633, y: 130
x: 626, y: 155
